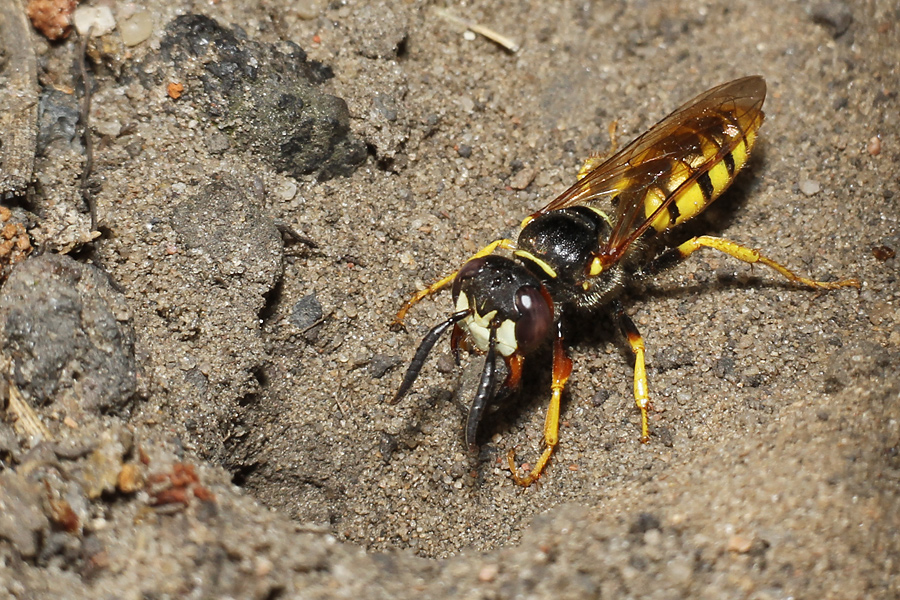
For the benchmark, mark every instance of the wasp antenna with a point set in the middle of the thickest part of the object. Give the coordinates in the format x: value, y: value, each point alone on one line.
x: 428, y: 342
x: 485, y: 391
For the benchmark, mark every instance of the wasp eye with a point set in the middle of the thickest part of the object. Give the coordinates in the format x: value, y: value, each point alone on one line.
x: 535, y: 318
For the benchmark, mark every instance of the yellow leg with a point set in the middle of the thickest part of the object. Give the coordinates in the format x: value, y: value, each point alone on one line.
x: 748, y: 255
x: 641, y: 386
x: 562, y: 368
x: 442, y: 283
x: 595, y: 160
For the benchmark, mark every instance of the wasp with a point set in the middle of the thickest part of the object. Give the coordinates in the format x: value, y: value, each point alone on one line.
x: 583, y: 249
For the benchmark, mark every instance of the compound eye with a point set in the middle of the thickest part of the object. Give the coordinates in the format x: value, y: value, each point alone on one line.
x: 535, y: 318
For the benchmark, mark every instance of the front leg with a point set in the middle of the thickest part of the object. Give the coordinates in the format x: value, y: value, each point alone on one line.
x: 444, y: 282
x: 562, y: 369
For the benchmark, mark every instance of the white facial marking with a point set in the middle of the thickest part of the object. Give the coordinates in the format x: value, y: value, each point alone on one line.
x: 478, y: 328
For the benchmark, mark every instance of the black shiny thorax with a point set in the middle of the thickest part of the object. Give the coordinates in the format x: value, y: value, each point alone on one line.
x: 558, y: 248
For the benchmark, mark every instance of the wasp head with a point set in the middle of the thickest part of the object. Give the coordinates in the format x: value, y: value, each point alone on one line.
x: 500, y: 307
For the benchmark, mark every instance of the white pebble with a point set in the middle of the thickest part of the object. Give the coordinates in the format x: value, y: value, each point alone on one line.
x: 136, y: 28
x: 286, y: 190
x: 810, y: 187
x: 100, y: 18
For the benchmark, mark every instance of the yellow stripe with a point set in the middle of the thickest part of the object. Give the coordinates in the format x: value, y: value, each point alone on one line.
x: 544, y: 266
x: 690, y: 202
x: 652, y: 201
x: 602, y: 214
x: 740, y: 154
x: 719, y: 177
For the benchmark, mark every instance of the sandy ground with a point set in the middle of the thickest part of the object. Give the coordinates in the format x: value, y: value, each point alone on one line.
x: 774, y: 462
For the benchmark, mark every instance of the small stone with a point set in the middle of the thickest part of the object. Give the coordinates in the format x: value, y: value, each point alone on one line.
x: 739, y: 544
x: 381, y: 364
x: 130, y: 478
x: 308, y: 9
x: 218, y: 143
x: 53, y: 18
x: 522, y: 179
x: 99, y: 19
x: 874, y: 146
x: 645, y: 522
x: 136, y: 28
x: 464, y: 150
x: 488, y: 573
x: 286, y: 190
x: 466, y: 104
x: 386, y: 105
x: 810, y: 187
x: 306, y: 311
x: 174, y: 90
x: 110, y: 128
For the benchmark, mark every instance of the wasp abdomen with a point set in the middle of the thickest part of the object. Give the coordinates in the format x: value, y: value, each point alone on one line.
x: 707, y: 166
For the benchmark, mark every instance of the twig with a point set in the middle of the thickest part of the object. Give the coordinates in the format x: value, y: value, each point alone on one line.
x: 490, y: 34
x: 86, y: 139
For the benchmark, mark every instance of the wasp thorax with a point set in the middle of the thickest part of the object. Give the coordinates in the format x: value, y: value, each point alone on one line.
x: 505, y: 296
x: 559, y: 246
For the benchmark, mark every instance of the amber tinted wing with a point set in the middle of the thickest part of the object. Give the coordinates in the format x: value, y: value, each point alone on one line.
x: 693, y: 138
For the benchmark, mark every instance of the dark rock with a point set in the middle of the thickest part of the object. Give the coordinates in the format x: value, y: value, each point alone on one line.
x: 306, y: 311
x: 67, y: 335
x: 381, y: 364
x: 265, y: 97
x: 644, y: 523
x: 57, y: 119
x: 386, y: 105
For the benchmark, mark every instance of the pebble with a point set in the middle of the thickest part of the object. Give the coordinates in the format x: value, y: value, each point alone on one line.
x: 136, y: 28
x: 286, y: 190
x: 306, y: 311
x: 99, y: 19
x: 873, y: 147
x: 810, y: 187
x: 522, y: 179
x: 309, y: 9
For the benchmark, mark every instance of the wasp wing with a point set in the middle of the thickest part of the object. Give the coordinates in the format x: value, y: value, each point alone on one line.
x: 689, y: 142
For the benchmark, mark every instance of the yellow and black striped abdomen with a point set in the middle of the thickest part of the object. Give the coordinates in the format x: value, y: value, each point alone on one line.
x: 719, y: 148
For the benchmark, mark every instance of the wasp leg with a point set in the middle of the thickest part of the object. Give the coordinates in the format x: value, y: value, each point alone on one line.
x: 641, y: 387
x: 598, y: 158
x: 514, y: 364
x: 562, y: 368
x: 751, y: 256
x: 442, y: 283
